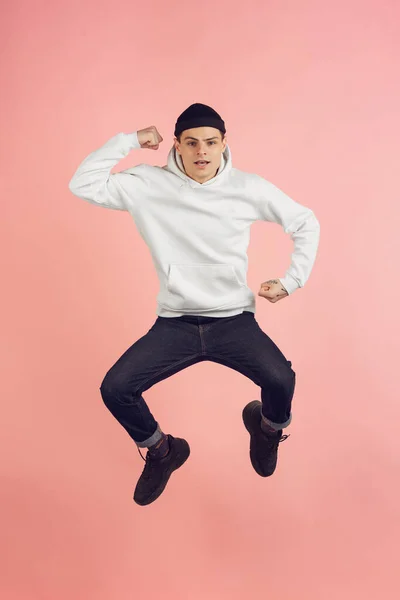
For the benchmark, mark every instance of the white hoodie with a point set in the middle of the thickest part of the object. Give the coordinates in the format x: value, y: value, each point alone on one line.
x: 198, y: 234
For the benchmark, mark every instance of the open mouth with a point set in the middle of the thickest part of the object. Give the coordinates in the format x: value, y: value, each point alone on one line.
x: 202, y: 163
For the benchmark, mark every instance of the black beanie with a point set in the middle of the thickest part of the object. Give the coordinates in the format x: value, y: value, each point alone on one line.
x: 199, y: 115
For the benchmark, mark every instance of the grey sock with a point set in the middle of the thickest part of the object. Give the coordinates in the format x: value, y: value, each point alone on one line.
x: 160, y: 448
x: 265, y: 427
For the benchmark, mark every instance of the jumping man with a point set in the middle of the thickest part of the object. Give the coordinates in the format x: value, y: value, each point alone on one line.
x: 195, y: 215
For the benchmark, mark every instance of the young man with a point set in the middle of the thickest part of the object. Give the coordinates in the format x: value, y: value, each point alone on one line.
x: 195, y: 215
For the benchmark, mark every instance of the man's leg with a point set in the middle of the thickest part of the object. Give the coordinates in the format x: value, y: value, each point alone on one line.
x: 167, y: 348
x: 163, y: 351
x: 239, y: 343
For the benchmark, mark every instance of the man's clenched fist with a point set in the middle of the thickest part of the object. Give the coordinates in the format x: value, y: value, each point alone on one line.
x: 272, y: 290
x: 149, y: 138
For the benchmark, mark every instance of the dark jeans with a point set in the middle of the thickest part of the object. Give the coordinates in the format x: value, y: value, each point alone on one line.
x: 172, y: 344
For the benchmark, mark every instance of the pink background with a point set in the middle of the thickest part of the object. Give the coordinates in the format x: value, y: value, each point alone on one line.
x: 310, y: 94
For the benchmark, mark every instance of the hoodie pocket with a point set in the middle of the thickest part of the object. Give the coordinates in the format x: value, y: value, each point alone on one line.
x: 202, y: 287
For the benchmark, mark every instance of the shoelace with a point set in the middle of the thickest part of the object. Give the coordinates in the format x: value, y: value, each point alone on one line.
x: 273, y: 442
x: 148, y: 455
x: 150, y: 465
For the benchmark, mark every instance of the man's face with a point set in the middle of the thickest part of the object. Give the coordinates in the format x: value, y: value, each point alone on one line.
x: 201, y: 143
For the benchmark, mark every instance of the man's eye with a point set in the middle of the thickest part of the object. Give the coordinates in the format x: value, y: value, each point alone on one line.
x: 191, y: 143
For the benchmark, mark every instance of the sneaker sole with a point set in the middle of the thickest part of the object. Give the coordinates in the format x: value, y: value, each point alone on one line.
x: 180, y: 458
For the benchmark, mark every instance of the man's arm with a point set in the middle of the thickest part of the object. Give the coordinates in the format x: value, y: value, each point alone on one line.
x: 94, y: 182
x: 296, y: 220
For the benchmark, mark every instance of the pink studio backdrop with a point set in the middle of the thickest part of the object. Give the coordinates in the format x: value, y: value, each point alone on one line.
x: 310, y: 95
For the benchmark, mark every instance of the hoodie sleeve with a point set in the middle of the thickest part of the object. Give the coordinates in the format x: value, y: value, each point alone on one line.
x: 299, y: 222
x: 94, y: 182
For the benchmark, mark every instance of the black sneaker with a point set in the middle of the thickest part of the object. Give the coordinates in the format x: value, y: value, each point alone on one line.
x: 263, y: 446
x: 157, y: 471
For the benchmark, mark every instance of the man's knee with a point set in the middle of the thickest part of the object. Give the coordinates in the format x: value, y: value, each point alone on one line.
x: 111, y: 387
x: 116, y: 388
x: 106, y: 389
x: 282, y: 378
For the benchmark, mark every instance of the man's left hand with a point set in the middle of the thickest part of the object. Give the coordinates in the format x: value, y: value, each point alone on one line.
x: 272, y: 290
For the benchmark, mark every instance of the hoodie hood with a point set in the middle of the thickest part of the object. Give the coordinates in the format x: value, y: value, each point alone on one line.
x: 175, y: 165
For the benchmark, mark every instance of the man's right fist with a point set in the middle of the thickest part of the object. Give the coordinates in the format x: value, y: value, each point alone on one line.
x: 149, y: 138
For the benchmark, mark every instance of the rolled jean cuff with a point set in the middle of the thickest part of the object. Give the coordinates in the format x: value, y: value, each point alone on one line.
x: 277, y: 426
x: 153, y: 439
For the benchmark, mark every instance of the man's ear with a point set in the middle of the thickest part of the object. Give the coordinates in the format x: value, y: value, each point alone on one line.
x: 176, y: 143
